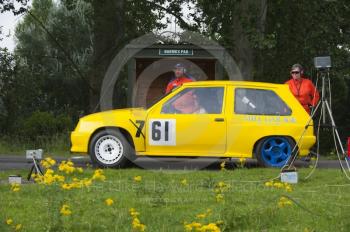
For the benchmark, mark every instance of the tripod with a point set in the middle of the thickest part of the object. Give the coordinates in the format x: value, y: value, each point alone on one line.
x: 325, y: 110
x: 35, y: 168
x: 326, y: 106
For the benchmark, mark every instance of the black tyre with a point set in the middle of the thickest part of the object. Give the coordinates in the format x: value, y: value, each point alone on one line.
x: 109, y: 148
x: 275, y: 151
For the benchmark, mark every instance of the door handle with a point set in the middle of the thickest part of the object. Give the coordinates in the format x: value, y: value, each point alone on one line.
x: 219, y: 120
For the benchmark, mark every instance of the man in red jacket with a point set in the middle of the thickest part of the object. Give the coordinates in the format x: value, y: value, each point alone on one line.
x: 302, y: 88
x: 180, y: 78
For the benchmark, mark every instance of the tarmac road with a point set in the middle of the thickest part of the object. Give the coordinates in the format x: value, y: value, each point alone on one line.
x: 13, y: 162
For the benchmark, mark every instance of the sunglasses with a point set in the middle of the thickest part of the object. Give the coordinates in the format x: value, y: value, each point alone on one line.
x: 295, y: 72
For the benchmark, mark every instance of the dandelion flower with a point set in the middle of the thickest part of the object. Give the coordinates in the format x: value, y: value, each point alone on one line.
x: 222, y: 165
x: 184, y: 182
x: 65, y: 210
x: 98, y: 175
x: 278, y: 185
x: 201, y: 215
x: 188, y: 228
x: 109, y: 202
x: 219, y: 197
x: 58, y: 178
x: 210, y: 227
x: 87, y: 182
x: 284, y: 202
x: 48, y: 162
x: 9, y: 221
x: 18, y: 227
x: 289, y: 188
x: 15, y: 187
x: 242, y: 161
x: 133, y: 212
x: 269, y: 184
x: 137, y: 178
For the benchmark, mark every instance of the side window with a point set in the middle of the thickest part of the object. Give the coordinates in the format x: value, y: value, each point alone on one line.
x: 201, y: 100
x: 259, y: 102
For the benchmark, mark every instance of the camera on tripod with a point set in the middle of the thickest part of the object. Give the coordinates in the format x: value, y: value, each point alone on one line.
x: 322, y: 63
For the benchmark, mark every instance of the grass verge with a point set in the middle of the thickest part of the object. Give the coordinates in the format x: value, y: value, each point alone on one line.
x: 169, y: 200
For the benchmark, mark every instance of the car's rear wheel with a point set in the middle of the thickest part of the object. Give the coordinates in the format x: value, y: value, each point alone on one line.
x: 274, y: 151
x: 109, y: 148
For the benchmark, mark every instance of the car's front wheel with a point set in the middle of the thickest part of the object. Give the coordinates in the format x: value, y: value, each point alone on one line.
x: 275, y: 151
x: 109, y: 148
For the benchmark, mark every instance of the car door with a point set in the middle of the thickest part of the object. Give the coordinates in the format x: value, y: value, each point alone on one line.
x: 255, y: 113
x: 192, y: 122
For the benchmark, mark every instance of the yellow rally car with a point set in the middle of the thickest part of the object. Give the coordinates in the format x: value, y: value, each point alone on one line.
x: 207, y: 119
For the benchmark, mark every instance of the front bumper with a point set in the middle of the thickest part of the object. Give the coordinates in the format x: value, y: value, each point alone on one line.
x: 79, y: 142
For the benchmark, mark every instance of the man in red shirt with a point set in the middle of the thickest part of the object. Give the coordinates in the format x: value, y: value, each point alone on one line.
x: 180, y: 78
x: 302, y: 88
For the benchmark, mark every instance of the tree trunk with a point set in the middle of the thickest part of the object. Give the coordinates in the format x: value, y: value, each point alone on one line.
x: 108, y: 29
x: 243, y: 48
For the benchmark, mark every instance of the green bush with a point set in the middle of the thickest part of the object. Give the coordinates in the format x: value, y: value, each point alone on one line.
x: 44, y: 124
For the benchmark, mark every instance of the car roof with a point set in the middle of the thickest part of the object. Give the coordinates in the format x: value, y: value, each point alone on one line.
x: 235, y: 83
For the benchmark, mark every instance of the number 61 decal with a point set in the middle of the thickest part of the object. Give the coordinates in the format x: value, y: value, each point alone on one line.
x: 162, y: 132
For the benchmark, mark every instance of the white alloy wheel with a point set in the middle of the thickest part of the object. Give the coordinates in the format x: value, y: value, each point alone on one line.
x: 108, y: 149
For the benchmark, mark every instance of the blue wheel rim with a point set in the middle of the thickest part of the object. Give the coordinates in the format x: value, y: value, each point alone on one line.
x: 276, y: 151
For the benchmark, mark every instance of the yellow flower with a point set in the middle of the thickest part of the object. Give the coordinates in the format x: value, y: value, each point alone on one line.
x: 48, y: 177
x: 15, y: 187
x: 269, y: 184
x: 66, y: 186
x: 136, y: 224
x: 9, y: 221
x: 58, y: 178
x: 278, y: 185
x: 87, y: 182
x: 49, y: 171
x: 77, y: 184
x: 196, y: 224
x: 284, y: 202
x: 109, y: 202
x: 133, y: 212
x: 211, y: 227
x: 67, y: 167
x: 242, y: 161
x: 80, y: 170
x: 289, y: 188
x: 221, y: 187
x: 184, y: 182
x: 48, y: 162
x: 18, y: 227
x: 201, y: 215
x: 98, y: 175
x: 188, y: 228
x: 221, y: 184
x: 219, y: 197
x: 65, y: 210
x: 222, y: 165
x: 137, y: 178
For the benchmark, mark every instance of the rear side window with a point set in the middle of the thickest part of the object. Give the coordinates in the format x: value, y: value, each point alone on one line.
x: 259, y: 102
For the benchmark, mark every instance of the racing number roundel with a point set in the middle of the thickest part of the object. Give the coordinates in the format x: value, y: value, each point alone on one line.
x: 162, y: 132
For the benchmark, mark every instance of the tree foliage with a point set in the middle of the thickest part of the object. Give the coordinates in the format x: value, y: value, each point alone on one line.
x: 64, y: 47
